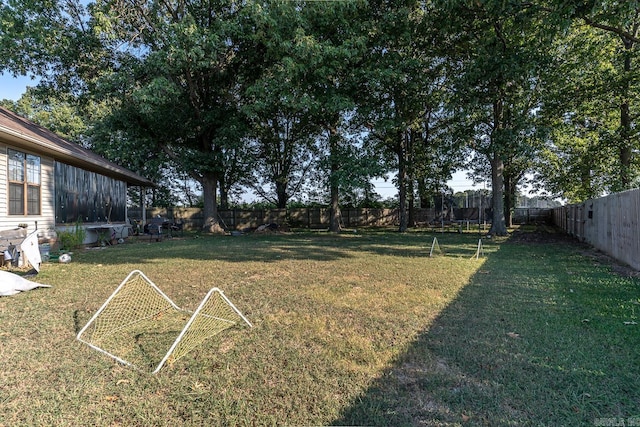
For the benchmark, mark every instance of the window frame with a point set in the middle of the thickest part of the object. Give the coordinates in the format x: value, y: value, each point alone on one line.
x: 24, y: 176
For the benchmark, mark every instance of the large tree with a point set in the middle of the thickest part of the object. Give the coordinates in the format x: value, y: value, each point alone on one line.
x: 592, y: 98
x: 177, y: 80
x: 54, y: 113
x: 332, y: 52
x: 496, y: 54
x: 400, y: 81
x: 579, y: 159
x: 33, y: 34
x: 277, y: 105
x: 434, y: 152
x: 62, y: 44
x: 619, y: 23
x: 205, y: 84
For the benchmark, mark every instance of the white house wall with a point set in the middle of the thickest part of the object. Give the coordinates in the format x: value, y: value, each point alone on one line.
x: 45, y: 222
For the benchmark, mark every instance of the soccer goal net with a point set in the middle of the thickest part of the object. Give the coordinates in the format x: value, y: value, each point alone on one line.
x: 138, y: 325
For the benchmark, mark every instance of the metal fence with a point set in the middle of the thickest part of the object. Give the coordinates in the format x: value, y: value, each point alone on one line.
x: 531, y: 215
x: 610, y: 224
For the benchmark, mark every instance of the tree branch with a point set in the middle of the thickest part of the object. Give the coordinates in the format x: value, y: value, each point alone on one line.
x: 625, y: 35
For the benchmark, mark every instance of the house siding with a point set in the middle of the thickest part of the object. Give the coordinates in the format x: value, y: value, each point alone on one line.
x: 96, y: 193
x: 87, y: 196
x: 43, y: 222
x: 3, y: 186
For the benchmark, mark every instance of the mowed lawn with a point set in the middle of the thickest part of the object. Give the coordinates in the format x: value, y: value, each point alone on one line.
x: 352, y: 329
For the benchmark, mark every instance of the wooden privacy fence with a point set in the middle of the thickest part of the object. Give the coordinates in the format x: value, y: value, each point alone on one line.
x: 318, y: 218
x: 610, y: 224
x: 239, y: 219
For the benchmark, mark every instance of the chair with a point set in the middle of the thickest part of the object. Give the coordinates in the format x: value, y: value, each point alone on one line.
x: 177, y: 226
x: 154, y: 228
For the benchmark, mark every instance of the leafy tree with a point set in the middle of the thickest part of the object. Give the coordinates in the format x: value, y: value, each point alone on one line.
x: 496, y: 54
x: 283, y: 155
x: 434, y: 152
x: 58, y: 115
x: 619, y: 23
x: 591, y: 103
x: 400, y: 78
x: 333, y: 49
x: 277, y: 105
x: 30, y: 33
x: 56, y: 42
x: 177, y: 82
x: 574, y: 163
x: 578, y: 159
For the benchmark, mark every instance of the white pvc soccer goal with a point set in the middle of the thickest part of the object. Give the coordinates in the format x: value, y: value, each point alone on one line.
x: 138, y: 325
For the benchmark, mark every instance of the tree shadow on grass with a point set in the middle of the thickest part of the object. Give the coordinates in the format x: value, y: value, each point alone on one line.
x: 277, y: 247
x: 524, y: 343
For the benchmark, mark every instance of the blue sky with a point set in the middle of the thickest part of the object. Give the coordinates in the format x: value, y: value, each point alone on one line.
x: 13, y: 87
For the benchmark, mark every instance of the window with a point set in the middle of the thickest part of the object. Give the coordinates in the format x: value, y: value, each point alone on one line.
x: 24, y: 183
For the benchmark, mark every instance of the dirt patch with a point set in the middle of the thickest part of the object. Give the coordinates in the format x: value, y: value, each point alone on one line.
x: 542, y: 234
x: 549, y: 235
x: 603, y: 259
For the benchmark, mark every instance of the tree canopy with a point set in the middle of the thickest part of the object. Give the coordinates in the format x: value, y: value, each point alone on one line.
x: 296, y: 100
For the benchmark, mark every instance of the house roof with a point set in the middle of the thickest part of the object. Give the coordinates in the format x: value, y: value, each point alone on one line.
x: 27, y: 135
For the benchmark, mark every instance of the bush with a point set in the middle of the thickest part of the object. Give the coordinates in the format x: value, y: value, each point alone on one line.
x: 72, y: 239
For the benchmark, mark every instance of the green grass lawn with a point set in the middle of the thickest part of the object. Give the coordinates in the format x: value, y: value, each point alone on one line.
x: 350, y: 329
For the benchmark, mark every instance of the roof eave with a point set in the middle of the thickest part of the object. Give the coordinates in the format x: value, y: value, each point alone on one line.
x: 67, y: 156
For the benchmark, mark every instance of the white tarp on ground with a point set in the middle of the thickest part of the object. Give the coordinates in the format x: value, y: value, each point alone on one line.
x: 11, y: 284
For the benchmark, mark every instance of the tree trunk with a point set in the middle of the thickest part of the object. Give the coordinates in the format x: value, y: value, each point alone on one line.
x: 425, y: 196
x: 210, y: 209
x: 411, y: 220
x: 498, y: 225
x: 334, y: 218
x: 586, y: 190
x: 402, y: 181
x: 509, y: 193
x: 143, y: 204
x: 281, y: 194
x: 224, y: 196
x: 625, y: 151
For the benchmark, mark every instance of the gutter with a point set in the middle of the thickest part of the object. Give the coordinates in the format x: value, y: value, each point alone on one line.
x: 77, y: 156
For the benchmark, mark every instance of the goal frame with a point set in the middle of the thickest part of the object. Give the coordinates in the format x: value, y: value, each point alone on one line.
x: 173, y: 305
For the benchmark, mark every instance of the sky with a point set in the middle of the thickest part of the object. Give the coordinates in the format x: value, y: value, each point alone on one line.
x: 13, y: 88
x: 458, y: 183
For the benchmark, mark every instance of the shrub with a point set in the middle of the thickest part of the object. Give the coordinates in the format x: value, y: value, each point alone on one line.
x: 72, y: 239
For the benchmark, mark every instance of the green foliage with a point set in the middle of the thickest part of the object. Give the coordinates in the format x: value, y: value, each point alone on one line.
x: 62, y: 116
x: 318, y: 97
x: 69, y: 240
x: 498, y: 57
x: 591, y: 104
x: 179, y: 100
